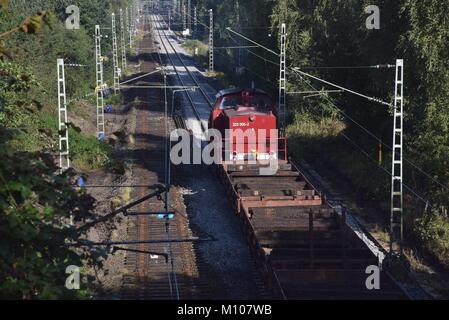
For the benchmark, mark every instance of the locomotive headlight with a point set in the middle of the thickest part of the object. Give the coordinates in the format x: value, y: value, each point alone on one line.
x: 252, y: 118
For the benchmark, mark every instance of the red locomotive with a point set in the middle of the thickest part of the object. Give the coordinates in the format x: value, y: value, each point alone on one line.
x: 247, y: 121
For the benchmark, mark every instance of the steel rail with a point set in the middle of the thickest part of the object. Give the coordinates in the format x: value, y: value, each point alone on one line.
x: 205, y: 95
x: 161, y: 34
x: 195, y: 111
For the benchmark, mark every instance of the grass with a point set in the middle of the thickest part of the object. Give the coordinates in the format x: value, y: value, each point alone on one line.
x: 40, y: 133
x: 319, y: 142
x: 216, y: 74
x: 307, y: 127
x: 88, y: 153
x: 305, y: 132
x: 192, y: 45
x: 433, y: 232
x: 114, y: 99
x: 199, y: 51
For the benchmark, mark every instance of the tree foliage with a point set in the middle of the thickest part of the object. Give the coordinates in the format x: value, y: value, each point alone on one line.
x: 323, y: 33
x: 36, y: 202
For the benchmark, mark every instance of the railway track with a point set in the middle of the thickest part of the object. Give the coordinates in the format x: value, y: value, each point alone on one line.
x: 166, y: 270
x: 303, y: 247
x: 181, y: 69
x: 201, y: 98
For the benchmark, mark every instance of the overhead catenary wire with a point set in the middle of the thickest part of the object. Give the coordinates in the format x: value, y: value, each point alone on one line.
x: 366, y: 154
x: 252, y: 72
x: 198, y: 21
x: 385, y: 144
x: 298, y: 70
x: 384, y: 169
x: 252, y: 41
x: 377, y: 66
x: 255, y: 54
x: 235, y: 47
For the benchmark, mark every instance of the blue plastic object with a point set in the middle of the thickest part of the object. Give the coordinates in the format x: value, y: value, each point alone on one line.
x: 165, y: 216
x: 108, y: 108
x: 81, y: 182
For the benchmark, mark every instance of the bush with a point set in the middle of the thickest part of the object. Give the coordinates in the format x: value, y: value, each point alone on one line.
x: 87, y: 152
x: 114, y: 99
x: 190, y: 46
x: 308, y: 135
x: 35, y: 206
x: 433, y: 231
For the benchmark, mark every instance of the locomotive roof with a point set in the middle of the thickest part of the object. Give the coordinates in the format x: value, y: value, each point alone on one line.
x: 239, y: 112
x: 225, y: 92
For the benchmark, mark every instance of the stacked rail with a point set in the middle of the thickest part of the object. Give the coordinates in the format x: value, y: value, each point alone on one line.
x: 304, y: 248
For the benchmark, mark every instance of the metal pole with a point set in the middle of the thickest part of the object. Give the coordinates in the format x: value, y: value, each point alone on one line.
x: 211, y: 41
x: 132, y: 18
x: 189, y: 15
x: 122, y: 40
x: 169, y: 21
x: 184, y: 17
x: 128, y: 27
x: 99, y: 88
x: 63, y: 132
x: 115, y: 55
x: 64, y: 160
x: 396, y: 217
x: 195, y: 18
x: 167, y: 149
x: 282, y: 78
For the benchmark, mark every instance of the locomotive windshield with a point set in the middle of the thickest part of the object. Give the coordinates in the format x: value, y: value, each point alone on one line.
x: 261, y: 102
x: 230, y: 102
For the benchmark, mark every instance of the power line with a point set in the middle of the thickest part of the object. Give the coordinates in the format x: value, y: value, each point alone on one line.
x: 381, y: 167
x: 298, y: 70
x: 364, y: 152
x: 384, y: 144
x: 251, y: 71
x: 378, y: 66
x: 341, y: 88
x: 252, y: 41
x: 255, y: 54
x: 235, y: 47
x: 347, y: 90
x: 198, y: 20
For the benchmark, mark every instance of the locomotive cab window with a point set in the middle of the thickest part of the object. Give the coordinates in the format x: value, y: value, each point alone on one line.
x: 261, y: 102
x: 230, y: 102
